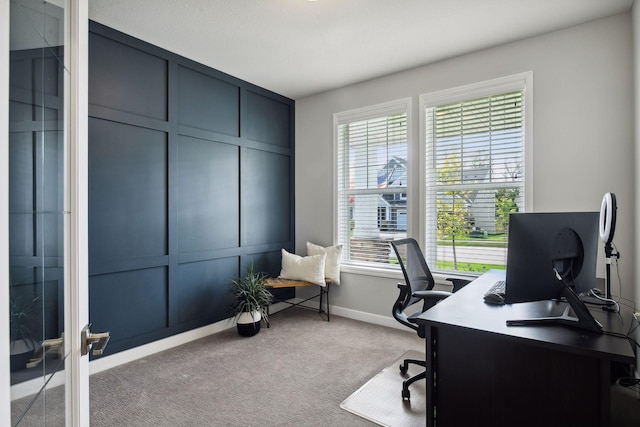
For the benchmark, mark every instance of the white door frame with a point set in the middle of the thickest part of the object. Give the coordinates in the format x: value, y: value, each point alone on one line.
x: 77, y: 259
x: 76, y: 203
x: 5, y: 374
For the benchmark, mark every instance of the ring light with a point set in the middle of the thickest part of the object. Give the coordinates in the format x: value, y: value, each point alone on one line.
x: 608, y: 217
x: 607, y: 228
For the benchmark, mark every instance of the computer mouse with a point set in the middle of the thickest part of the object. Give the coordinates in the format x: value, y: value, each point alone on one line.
x: 495, y: 299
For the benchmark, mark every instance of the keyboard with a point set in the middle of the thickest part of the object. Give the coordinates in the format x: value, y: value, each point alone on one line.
x: 497, y: 288
x: 495, y: 294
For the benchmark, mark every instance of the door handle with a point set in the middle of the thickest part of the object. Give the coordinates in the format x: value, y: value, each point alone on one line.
x: 89, y: 339
x: 50, y: 344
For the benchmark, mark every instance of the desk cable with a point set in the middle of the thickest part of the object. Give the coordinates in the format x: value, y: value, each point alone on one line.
x: 616, y: 257
x: 611, y: 300
x: 561, y: 279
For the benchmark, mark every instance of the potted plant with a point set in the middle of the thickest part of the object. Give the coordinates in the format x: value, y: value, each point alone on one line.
x: 23, y: 313
x: 252, y: 300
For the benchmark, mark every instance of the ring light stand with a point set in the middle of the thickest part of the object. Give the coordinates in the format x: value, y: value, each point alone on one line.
x: 607, y: 228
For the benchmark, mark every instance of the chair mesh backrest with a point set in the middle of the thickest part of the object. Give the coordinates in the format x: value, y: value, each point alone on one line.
x: 414, y: 267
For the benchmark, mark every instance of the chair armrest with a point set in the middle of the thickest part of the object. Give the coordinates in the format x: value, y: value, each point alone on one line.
x: 404, y: 293
x: 431, y: 298
x: 458, y: 283
x: 434, y: 296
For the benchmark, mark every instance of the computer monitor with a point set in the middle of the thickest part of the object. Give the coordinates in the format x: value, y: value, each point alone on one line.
x: 542, y: 242
x: 553, y: 255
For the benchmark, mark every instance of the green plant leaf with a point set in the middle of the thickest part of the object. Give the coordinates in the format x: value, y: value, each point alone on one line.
x: 251, y: 294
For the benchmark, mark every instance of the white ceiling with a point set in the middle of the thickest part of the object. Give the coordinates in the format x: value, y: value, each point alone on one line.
x: 301, y: 47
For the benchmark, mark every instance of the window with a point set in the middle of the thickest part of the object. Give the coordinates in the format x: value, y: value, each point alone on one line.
x: 372, y: 181
x: 475, y: 173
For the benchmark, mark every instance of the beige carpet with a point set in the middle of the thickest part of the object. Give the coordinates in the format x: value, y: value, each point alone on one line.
x: 380, y: 399
x: 295, y: 373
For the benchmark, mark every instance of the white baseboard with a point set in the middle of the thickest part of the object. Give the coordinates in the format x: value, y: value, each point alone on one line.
x: 31, y: 387
x: 108, y: 362
x: 126, y: 356
x: 363, y: 316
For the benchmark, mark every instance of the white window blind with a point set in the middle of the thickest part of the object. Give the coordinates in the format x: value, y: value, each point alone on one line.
x: 475, y: 177
x: 372, y: 185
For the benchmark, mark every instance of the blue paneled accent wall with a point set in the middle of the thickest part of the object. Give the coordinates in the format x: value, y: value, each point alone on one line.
x: 190, y: 181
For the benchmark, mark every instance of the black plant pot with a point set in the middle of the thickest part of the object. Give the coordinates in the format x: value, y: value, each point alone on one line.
x: 248, y: 324
x: 21, y: 352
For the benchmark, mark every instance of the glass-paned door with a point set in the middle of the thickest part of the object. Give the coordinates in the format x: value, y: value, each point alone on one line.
x: 42, y: 245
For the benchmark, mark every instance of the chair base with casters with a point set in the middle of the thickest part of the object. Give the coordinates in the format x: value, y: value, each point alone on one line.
x: 404, y: 367
x: 418, y: 288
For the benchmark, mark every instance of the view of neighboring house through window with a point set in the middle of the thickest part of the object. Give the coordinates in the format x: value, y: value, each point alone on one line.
x: 372, y: 147
x: 474, y: 141
x: 474, y: 177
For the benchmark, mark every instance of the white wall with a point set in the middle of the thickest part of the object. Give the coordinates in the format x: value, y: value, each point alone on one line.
x: 583, y: 136
x: 636, y: 70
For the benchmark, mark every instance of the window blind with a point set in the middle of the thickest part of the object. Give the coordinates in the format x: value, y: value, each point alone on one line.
x: 372, y: 186
x: 475, y: 178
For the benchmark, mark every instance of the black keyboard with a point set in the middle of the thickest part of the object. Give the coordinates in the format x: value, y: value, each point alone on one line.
x: 498, y: 288
x: 495, y: 294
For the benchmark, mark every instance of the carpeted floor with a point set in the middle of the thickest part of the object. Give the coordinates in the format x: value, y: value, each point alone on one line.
x: 295, y: 373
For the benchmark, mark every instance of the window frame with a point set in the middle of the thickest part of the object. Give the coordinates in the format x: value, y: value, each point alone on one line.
x: 403, y: 105
x: 521, y: 81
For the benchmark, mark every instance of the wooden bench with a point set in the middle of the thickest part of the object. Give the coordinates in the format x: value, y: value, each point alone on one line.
x: 277, y: 283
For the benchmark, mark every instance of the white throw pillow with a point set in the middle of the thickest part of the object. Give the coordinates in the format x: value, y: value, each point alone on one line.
x: 332, y: 263
x: 308, y: 268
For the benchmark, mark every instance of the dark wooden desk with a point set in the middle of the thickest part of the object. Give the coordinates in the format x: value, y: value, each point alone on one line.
x: 482, y: 372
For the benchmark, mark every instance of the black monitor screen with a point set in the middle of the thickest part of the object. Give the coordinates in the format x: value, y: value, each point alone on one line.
x: 541, y: 244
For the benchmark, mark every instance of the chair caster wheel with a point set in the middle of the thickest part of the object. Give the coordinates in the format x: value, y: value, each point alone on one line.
x: 403, y: 369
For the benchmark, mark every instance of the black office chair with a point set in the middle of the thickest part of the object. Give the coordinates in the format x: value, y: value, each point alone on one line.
x: 418, y: 287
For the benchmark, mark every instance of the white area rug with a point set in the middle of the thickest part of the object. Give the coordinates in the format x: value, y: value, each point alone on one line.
x: 380, y: 399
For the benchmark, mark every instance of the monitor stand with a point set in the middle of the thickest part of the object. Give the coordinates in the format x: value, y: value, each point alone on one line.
x: 584, y: 319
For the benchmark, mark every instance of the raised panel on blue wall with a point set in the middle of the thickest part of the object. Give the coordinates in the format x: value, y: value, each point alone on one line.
x: 46, y: 74
x: 266, y: 197
x: 35, y: 193
x: 127, y: 191
x: 21, y: 194
x: 269, y: 263
x: 208, y: 195
x: 205, y: 290
x: 19, y: 74
x: 208, y: 103
x: 190, y: 180
x: 45, y: 285
x: 129, y: 303
x: 268, y: 120
x: 126, y: 79
x: 264, y: 262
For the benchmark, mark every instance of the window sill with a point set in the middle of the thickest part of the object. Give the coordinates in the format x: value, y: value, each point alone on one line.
x: 390, y: 273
